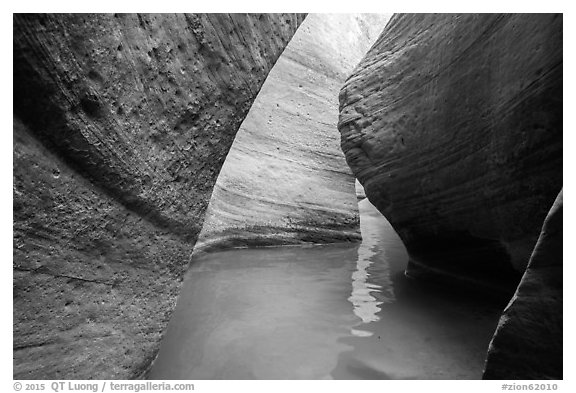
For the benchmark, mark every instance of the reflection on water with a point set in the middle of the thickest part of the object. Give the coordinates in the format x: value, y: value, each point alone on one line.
x: 366, y: 306
x: 340, y: 311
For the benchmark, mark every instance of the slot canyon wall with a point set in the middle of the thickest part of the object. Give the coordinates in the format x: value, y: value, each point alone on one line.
x: 453, y: 125
x: 121, y: 125
x: 285, y: 179
x: 528, y: 341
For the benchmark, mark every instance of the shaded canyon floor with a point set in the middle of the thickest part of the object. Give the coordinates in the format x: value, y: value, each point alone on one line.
x: 341, y: 311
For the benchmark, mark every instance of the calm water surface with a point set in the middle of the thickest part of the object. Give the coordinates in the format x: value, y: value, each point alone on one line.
x: 340, y: 311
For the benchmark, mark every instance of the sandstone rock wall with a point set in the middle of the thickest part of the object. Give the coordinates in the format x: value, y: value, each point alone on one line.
x: 528, y: 342
x: 453, y: 124
x: 285, y: 179
x: 121, y: 125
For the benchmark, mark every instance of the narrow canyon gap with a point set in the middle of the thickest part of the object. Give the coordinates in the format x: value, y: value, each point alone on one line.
x: 285, y: 179
x: 333, y: 311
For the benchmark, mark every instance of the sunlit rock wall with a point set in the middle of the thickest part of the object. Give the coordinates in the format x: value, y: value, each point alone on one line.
x: 453, y: 124
x: 121, y: 125
x: 285, y: 179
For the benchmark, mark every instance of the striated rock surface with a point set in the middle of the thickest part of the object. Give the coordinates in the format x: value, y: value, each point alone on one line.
x: 285, y: 179
x: 528, y: 341
x: 453, y: 125
x: 122, y: 123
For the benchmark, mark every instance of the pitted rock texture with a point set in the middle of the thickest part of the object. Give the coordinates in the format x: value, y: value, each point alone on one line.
x: 528, y: 341
x: 285, y: 179
x: 453, y: 125
x: 122, y: 123
x: 146, y: 106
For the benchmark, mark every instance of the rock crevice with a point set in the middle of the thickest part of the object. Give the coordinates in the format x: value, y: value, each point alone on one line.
x: 528, y: 341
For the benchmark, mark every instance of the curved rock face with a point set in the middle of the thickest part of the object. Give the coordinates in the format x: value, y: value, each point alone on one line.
x: 122, y: 123
x: 528, y: 341
x: 285, y: 179
x: 453, y: 124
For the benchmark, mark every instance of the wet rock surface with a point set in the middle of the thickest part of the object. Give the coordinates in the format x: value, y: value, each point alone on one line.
x: 121, y: 125
x: 453, y: 124
x: 285, y: 179
x: 528, y: 341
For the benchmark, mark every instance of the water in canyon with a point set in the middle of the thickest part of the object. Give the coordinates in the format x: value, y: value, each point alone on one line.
x: 341, y: 311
